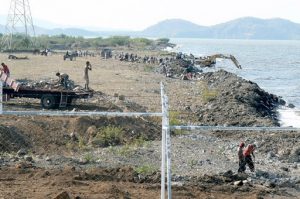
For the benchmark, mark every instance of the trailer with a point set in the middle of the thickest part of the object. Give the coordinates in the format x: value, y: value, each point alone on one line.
x: 50, y: 98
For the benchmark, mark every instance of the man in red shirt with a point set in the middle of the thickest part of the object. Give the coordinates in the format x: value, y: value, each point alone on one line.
x: 5, y: 69
x: 247, y: 154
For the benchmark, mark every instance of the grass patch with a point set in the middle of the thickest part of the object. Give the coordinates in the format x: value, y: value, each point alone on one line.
x: 109, y: 136
x: 145, y: 170
x: 208, y: 94
x: 148, y: 68
x: 173, y: 116
x: 89, y: 157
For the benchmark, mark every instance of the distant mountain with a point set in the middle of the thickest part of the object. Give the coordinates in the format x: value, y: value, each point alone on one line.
x: 242, y: 28
x: 255, y: 28
x: 66, y: 31
x: 174, y: 28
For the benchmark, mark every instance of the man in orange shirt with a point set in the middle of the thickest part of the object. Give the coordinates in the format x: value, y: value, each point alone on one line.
x: 5, y: 69
x: 248, y: 159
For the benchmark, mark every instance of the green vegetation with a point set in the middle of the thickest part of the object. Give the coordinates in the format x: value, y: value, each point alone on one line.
x: 145, y: 170
x: 64, y: 42
x: 109, y: 136
x: 89, y: 157
x: 192, y: 163
x: 173, y: 115
x: 208, y: 94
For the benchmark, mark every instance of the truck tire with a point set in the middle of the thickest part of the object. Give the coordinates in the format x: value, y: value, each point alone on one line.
x: 69, y: 101
x: 48, y: 101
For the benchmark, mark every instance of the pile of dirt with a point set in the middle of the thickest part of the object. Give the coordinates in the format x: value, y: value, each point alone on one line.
x: 53, y: 135
x: 90, y: 129
x: 12, y: 139
x: 124, y: 174
x: 232, y: 100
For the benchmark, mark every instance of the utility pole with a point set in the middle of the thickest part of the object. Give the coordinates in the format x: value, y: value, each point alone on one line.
x: 19, y: 20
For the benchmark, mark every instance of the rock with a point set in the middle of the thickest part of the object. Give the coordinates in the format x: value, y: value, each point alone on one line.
x: 284, y: 169
x: 48, y: 159
x: 228, y: 173
x: 122, y: 97
x: 22, y: 152
x: 271, y: 155
x: 28, y: 158
x: 270, y: 184
x: 83, y: 161
x: 63, y: 195
x: 291, y: 105
x: 263, y: 174
x: 23, y: 165
x: 73, y: 136
x: 238, y: 183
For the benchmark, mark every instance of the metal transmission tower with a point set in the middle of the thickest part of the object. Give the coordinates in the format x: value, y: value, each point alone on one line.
x: 19, y: 20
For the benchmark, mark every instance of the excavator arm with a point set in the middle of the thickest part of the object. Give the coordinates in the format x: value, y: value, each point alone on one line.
x: 210, y: 60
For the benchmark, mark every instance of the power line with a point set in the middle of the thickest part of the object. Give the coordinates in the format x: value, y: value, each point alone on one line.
x: 19, y: 20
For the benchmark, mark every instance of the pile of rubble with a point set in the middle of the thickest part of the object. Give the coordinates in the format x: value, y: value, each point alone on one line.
x: 49, y: 84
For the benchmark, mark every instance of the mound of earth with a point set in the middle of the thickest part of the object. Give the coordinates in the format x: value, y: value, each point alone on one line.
x: 232, y: 100
x: 12, y: 139
x: 52, y: 135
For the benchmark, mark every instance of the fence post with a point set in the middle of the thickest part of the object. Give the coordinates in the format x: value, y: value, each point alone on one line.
x: 1, y: 97
x: 168, y: 146
x: 163, y: 144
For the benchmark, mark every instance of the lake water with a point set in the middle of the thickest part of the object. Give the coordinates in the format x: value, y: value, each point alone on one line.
x: 273, y: 65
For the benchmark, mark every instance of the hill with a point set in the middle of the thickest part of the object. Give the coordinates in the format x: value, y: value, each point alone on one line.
x: 255, y: 28
x: 242, y: 28
x: 174, y: 28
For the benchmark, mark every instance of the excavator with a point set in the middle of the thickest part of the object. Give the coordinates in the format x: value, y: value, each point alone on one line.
x: 210, y: 61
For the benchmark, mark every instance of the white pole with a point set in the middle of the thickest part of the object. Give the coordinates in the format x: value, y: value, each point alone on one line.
x: 168, y: 147
x: 1, y: 97
x: 163, y: 144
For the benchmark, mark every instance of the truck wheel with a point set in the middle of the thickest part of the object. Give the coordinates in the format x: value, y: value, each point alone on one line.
x: 48, y: 101
x: 69, y: 101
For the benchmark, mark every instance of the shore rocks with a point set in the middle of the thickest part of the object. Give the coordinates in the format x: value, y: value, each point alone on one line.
x: 236, y: 102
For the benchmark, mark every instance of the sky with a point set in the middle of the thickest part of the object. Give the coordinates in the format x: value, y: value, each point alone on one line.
x: 140, y: 14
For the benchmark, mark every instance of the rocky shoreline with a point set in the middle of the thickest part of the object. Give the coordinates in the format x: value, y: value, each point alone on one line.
x: 237, y: 102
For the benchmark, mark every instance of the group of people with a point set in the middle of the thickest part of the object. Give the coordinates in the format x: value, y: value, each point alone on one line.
x: 245, y: 155
x: 63, y: 77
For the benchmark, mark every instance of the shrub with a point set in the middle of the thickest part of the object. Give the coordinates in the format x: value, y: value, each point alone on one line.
x: 109, y: 136
x: 145, y: 170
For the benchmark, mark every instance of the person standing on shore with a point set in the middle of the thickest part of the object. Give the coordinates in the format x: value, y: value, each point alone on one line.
x: 88, y: 67
x: 248, y: 159
x: 242, y: 165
